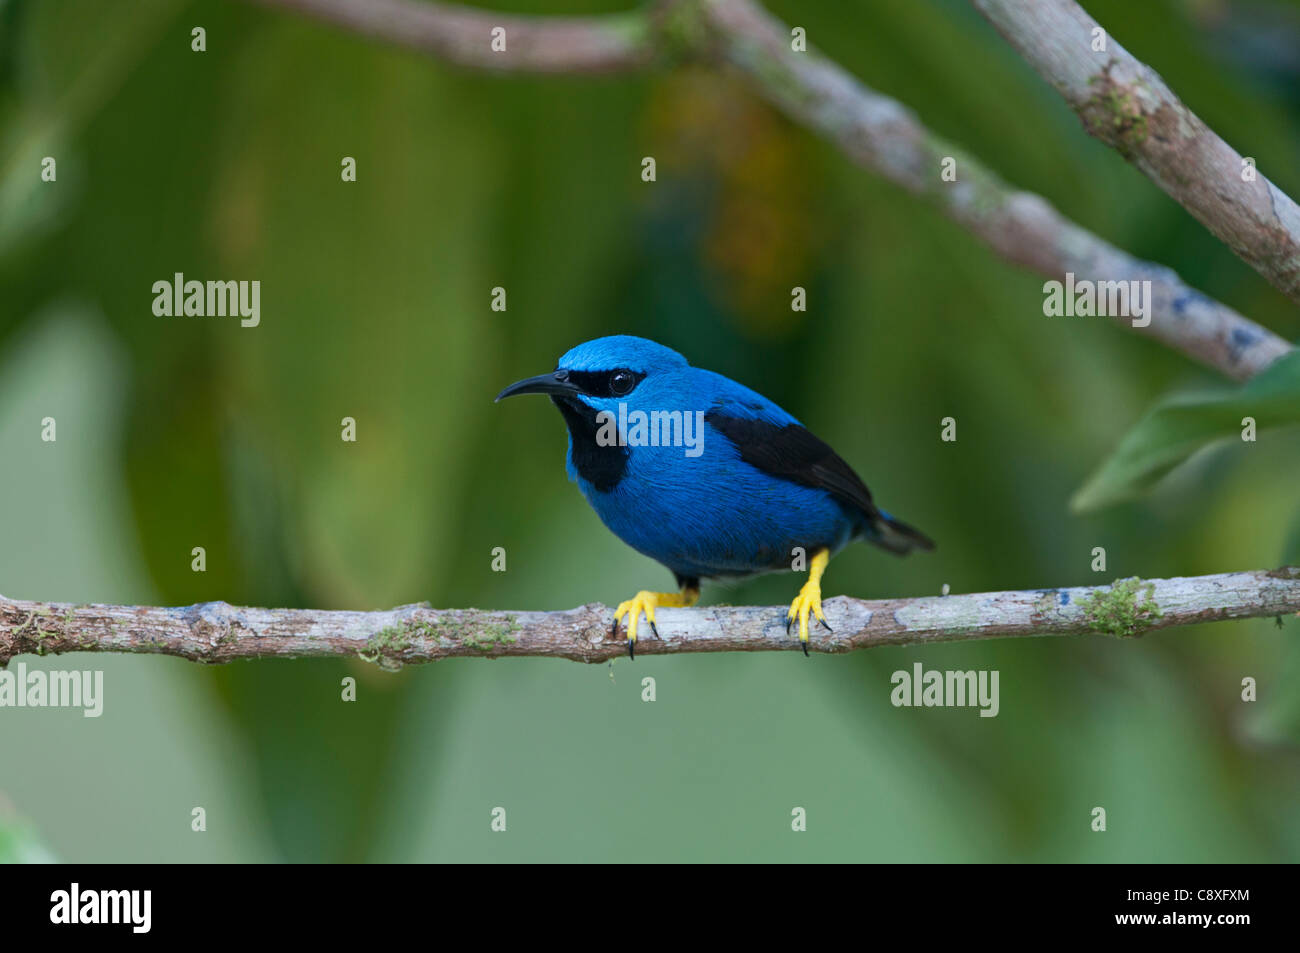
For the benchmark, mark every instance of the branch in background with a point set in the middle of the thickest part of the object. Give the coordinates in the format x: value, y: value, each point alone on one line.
x: 1125, y: 104
x: 216, y: 632
x: 879, y: 133
x: 875, y: 131
x: 459, y: 35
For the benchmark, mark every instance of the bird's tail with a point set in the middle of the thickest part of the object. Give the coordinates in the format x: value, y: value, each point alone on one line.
x: 896, y: 536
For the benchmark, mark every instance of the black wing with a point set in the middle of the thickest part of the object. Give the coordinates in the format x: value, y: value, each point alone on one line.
x: 792, y: 452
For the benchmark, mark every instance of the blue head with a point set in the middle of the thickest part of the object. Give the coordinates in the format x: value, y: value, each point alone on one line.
x: 606, y: 372
x: 607, y: 379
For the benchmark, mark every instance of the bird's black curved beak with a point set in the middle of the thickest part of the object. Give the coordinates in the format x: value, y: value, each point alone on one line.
x: 556, y: 382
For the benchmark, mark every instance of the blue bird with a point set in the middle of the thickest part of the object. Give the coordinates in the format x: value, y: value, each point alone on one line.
x: 704, y: 475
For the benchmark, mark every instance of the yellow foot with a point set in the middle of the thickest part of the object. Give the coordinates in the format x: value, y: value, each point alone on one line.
x: 646, y: 601
x: 809, y: 600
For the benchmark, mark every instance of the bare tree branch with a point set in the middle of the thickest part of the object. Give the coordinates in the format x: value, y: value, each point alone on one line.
x: 464, y: 36
x: 217, y: 632
x: 1125, y: 104
x: 881, y: 134
x: 874, y: 130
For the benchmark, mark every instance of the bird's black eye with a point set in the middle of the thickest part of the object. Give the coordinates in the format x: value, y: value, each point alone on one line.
x: 620, y: 382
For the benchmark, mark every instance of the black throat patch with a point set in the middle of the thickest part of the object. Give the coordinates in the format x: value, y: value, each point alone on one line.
x: 602, y: 467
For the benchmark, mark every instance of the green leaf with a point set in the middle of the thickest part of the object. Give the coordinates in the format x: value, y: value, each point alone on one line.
x: 1179, y: 426
x: 20, y: 844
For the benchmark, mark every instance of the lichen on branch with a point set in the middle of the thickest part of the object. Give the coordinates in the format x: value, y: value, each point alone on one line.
x: 214, y: 632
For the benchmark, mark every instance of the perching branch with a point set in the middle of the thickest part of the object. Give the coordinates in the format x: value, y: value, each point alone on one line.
x: 217, y: 632
x: 1125, y: 104
x: 874, y: 130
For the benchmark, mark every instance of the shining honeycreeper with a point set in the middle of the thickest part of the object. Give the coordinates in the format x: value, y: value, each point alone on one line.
x: 705, y: 475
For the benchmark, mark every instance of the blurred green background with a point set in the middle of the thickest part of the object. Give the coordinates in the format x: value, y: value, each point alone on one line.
x: 175, y: 433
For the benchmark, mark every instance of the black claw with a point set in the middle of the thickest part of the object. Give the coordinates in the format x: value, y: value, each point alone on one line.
x: 788, y: 622
x: 825, y: 625
x: 653, y: 629
x: 631, y: 649
x: 805, y: 650
x: 613, y: 629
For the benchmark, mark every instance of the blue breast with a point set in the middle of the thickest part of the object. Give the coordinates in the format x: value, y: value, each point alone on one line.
x: 714, y: 514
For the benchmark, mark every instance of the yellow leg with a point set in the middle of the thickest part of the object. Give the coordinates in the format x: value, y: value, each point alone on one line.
x: 809, y: 599
x: 646, y: 601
